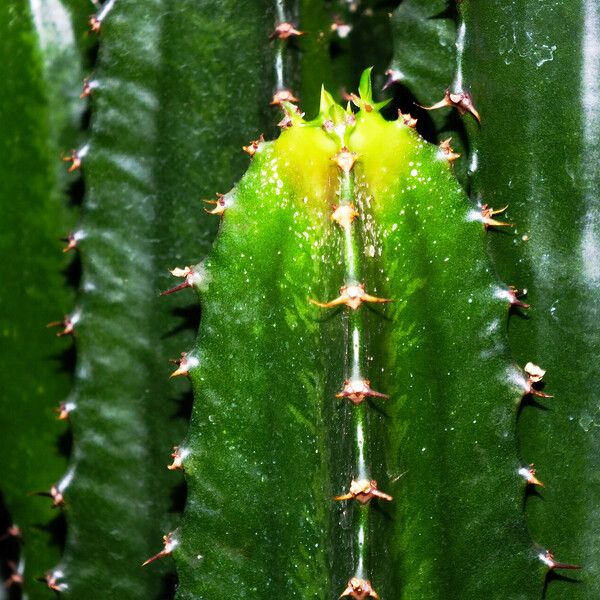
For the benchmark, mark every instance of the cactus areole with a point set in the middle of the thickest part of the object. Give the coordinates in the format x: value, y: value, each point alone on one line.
x: 353, y: 430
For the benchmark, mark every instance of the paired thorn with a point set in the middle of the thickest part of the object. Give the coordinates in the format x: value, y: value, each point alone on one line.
x: 63, y: 410
x: 178, y: 455
x: 364, y: 490
x: 462, y: 101
x: 283, y: 95
x: 529, y: 475
x: 408, y: 119
x: 547, y: 558
x: 88, y: 86
x: 514, y: 296
x: 487, y: 217
x: 75, y: 159
x: 95, y: 24
x: 360, y: 589
x: 68, y: 325
x: 51, y: 579
x: 352, y: 296
x: 356, y: 390
x: 184, y: 364
x: 342, y: 29
x: 252, y: 147
x: 288, y: 120
x: 285, y: 30
x: 190, y: 275
x: 535, y: 375
x: 447, y: 151
x: 345, y: 159
x: 344, y: 215
x: 72, y: 240
x: 220, y: 205
x: 169, y: 544
x: 58, y: 499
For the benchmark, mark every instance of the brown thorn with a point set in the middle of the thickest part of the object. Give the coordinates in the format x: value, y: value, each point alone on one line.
x: 284, y: 95
x: 71, y: 240
x: 364, y: 490
x: 529, y: 474
x: 74, y: 159
x: 548, y: 559
x: 13, y: 531
x: 345, y: 159
x: 87, y: 89
x: 407, y: 119
x: 252, y: 147
x: 535, y: 375
x: 513, y: 297
x: 356, y: 390
x: 462, y: 101
x: 487, y: 217
x: 352, y: 296
x: 448, y: 151
x: 360, y: 589
x: 67, y: 324
x: 168, y: 543
x: 285, y: 30
x: 344, y: 215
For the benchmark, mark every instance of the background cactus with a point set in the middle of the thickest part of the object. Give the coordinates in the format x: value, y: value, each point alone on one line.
x: 269, y: 445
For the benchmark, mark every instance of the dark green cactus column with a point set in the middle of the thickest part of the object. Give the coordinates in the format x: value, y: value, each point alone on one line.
x: 39, y: 110
x: 534, y: 72
x: 168, y: 124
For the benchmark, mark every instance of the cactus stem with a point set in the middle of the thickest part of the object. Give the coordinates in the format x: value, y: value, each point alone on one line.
x: 462, y: 101
x: 252, y: 147
x: 283, y: 95
x: 360, y: 589
x: 285, y: 30
x: 169, y: 545
x: 351, y: 295
x: 356, y: 390
x: 528, y: 473
x: 447, y: 151
x: 344, y: 215
x: 407, y: 119
x: 364, y: 490
x: 345, y: 159
x: 548, y: 559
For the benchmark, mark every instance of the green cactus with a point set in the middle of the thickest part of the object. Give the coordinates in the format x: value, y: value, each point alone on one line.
x: 367, y: 400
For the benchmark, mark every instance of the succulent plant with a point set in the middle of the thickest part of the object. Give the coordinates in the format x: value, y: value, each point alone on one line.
x: 370, y: 416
